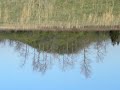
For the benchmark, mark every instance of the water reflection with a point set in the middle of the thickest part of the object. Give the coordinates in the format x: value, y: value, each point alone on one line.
x: 114, y: 35
x: 65, y: 49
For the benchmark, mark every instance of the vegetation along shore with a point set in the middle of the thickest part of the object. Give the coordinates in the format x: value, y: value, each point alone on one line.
x: 59, y: 15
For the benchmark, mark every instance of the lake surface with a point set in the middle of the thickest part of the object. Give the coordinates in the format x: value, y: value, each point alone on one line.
x: 60, y: 60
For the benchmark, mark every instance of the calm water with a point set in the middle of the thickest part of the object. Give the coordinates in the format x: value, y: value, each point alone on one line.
x: 60, y: 61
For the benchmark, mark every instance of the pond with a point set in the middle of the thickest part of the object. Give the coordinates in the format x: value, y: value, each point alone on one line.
x: 60, y: 60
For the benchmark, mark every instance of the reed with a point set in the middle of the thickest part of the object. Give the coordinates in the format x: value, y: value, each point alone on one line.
x: 59, y: 13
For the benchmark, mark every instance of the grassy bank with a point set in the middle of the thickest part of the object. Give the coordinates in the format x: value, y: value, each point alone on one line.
x: 59, y: 13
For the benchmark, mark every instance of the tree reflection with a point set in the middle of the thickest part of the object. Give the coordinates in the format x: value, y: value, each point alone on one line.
x: 39, y: 64
x: 46, y: 52
x: 100, y: 47
x: 3, y: 42
x: 25, y: 54
x: 114, y: 35
x: 85, y: 64
x: 67, y: 61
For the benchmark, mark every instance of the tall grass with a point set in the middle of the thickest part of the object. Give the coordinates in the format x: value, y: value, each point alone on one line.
x: 60, y: 13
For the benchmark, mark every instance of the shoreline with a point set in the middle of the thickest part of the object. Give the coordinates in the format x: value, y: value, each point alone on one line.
x: 59, y: 28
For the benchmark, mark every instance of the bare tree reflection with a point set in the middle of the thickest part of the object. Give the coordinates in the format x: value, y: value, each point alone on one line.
x: 67, y: 62
x: 100, y: 47
x: 18, y: 45
x: 40, y: 61
x: 101, y: 50
x: 3, y: 42
x: 45, y: 52
x: 25, y: 54
x: 85, y: 64
x: 11, y: 43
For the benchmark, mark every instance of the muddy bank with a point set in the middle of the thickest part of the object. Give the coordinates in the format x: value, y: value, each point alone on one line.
x: 58, y: 28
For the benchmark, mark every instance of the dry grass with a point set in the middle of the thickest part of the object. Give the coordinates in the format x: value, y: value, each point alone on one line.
x: 59, y: 13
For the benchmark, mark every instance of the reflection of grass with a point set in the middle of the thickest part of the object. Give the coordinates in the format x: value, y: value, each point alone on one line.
x: 57, y: 42
x: 63, y: 13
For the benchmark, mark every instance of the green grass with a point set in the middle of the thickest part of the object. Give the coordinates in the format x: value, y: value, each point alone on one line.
x: 61, y: 13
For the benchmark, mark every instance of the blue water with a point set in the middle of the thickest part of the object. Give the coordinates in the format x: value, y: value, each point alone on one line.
x: 18, y: 73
